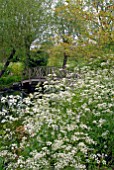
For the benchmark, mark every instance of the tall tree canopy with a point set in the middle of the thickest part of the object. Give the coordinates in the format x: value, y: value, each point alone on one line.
x: 68, y: 26
x: 82, y: 26
x: 85, y: 27
x: 101, y: 23
x: 21, y: 22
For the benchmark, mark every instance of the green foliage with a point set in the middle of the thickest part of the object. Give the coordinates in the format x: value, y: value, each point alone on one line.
x: 20, y: 24
x: 69, y: 126
x: 39, y: 58
x: 13, y: 74
x: 84, y: 29
x: 75, y: 28
x: 1, y: 66
x: 1, y: 163
x: 16, y: 68
x: 56, y: 55
x: 8, y: 81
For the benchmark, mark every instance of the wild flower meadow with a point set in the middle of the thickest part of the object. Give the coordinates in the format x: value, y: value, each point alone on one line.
x: 68, y: 126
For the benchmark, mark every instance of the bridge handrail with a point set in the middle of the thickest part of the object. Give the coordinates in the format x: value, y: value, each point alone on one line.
x: 42, y: 72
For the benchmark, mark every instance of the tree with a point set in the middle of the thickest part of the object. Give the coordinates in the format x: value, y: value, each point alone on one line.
x: 21, y: 22
x: 83, y: 27
x: 101, y: 23
x: 69, y: 27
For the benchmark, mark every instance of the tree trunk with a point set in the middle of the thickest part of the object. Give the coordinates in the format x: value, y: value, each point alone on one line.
x: 7, y: 62
x: 65, y: 60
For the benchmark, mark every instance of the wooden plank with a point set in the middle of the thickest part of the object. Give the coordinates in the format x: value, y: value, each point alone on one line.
x: 33, y: 80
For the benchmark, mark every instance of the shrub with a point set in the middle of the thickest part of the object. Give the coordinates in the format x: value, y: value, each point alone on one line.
x: 16, y: 69
x: 9, y: 80
x: 39, y: 58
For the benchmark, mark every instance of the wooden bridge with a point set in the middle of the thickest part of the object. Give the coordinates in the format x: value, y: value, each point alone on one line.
x: 43, y: 71
x: 32, y: 76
